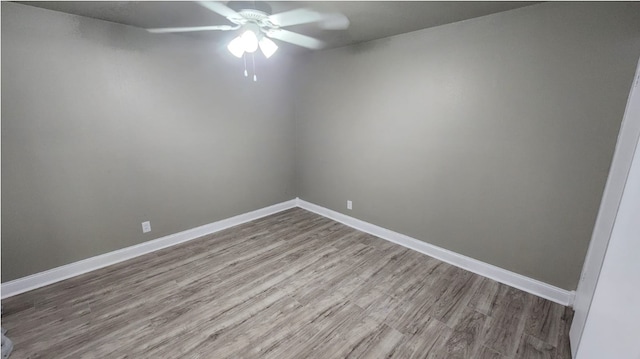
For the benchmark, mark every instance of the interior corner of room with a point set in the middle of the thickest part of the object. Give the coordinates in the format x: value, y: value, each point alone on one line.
x: 500, y: 144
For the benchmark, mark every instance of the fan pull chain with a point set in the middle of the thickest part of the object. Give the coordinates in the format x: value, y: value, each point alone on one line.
x: 253, y: 58
x: 244, y: 57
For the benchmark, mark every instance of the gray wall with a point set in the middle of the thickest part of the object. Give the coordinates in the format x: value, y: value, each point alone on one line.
x: 105, y: 126
x: 490, y: 137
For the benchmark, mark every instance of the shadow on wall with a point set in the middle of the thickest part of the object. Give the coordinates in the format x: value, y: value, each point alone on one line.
x: 369, y: 46
x: 111, y: 35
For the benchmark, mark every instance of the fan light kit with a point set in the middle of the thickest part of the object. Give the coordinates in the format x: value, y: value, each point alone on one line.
x: 248, y: 42
x: 258, y: 26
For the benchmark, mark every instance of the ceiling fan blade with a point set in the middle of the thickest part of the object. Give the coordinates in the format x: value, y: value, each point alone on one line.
x: 295, y: 17
x: 335, y: 21
x: 190, y: 29
x: 296, y: 39
x: 221, y: 9
x: 331, y: 21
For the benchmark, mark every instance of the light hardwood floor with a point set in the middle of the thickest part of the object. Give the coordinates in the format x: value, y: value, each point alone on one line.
x: 291, y: 285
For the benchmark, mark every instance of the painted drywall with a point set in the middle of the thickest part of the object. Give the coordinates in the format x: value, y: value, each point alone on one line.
x: 490, y: 137
x: 613, y: 322
x: 613, y: 192
x: 105, y: 126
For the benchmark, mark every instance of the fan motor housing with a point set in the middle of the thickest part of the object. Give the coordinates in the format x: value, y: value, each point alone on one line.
x: 251, y: 9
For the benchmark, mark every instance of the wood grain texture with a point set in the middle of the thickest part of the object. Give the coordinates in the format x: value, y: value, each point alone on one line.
x: 291, y: 285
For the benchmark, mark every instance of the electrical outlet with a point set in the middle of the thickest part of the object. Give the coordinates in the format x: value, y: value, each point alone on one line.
x: 146, y: 227
x: 349, y: 205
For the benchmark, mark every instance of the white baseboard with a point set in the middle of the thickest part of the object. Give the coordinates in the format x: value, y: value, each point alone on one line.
x: 516, y: 280
x: 51, y: 276
x: 504, y: 276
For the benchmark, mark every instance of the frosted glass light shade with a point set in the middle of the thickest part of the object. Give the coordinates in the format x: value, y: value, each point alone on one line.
x: 236, y: 47
x: 268, y: 47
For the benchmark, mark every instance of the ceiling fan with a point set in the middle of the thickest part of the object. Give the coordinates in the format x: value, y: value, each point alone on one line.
x: 258, y: 26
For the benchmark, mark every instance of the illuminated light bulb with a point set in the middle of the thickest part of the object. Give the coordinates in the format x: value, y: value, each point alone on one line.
x: 249, y: 41
x: 268, y: 47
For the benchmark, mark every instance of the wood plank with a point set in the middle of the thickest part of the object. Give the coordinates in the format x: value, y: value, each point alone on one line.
x: 467, y: 337
x: 483, y: 298
x: 534, y: 348
x: 563, y: 349
x: 507, y: 320
x: 544, y: 320
x: 428, y: 342
x: 486, y: 353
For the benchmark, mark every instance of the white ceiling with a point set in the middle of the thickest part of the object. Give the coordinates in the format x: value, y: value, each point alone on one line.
x: 369, y: 19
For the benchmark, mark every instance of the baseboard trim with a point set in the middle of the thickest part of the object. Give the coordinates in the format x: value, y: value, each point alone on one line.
x: 54, y: 275
x: 501, y: 275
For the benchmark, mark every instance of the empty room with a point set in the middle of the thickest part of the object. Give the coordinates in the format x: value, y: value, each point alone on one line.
x: 320, y: 179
